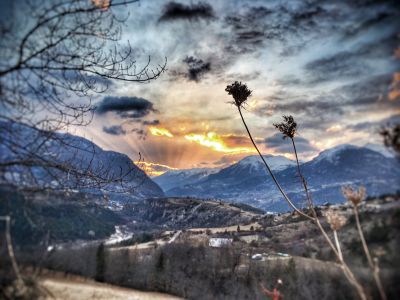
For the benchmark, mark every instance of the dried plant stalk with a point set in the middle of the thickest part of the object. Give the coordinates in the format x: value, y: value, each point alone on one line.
x: 240, y: 93
x: 356, y: 197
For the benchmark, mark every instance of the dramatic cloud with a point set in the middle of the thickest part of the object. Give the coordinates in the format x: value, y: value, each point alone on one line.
x: 196, y: 68
x: 249, y: 30
x: 278, y: 144
x: 125, y: 107
x: 375, y: 126
x: 382, y: 16
x: 323, y: 109
x: 285, y: 24
x: 176, y: 11
x: 114, y: 130
x: 141, y: 133
x: 350, y: 64
x: 151, y: 123
x: 340, y: 65
x: 331, y: 64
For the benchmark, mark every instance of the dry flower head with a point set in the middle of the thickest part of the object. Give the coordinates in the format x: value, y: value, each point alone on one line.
x: 288, y: 127
x: 239, y: 91
x: 335, y: 220
x: 354, y: 196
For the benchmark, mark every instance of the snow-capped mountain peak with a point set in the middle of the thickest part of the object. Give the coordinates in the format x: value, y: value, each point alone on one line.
x: 277, y: 163
x: 331, y: 154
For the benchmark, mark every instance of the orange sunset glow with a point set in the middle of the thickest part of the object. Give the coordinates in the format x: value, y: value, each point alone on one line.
x: 213, y: 141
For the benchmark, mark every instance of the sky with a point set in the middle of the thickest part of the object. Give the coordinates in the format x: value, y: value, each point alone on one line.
x: 333, y: 65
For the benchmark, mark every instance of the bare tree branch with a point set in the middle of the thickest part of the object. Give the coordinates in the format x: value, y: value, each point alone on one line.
x: 67, y: 53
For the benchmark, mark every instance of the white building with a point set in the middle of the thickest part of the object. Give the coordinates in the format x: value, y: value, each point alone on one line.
x: 220, y: 242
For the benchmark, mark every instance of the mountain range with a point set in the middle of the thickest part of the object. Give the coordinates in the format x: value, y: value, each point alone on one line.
x: 247, y: 181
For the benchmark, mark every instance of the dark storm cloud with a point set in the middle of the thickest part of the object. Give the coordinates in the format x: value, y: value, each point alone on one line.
x: 141, y: 133
x: 151, y: 123
x: 279, y: 144
x: 367, y: 91
x: 248, y: 30
x: 340, y: 65
x: 196, y: 68
x: 177, y: 11
x: 283, y: 22
x: 114, y: 130
x: 375, y: 126
x: 125, y: 107
x: 313, y: 108
x: 295, y: 25
x: 354, y: 63
x: 322, y: 110
x: 374, y: 19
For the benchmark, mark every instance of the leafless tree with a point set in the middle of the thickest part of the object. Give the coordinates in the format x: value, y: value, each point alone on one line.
x: 55, y: 57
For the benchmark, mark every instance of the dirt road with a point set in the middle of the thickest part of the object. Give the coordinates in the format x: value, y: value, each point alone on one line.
x: 64, y: 289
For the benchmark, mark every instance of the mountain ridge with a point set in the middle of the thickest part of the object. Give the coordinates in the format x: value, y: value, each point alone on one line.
x: 333, y: 168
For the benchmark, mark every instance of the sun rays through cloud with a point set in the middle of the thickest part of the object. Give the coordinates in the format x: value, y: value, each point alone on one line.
x: 216, y: 143
x: 160, y: 132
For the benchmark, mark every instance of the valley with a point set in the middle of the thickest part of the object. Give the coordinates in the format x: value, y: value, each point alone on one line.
x: 226, y: 229
x: 177, y: 241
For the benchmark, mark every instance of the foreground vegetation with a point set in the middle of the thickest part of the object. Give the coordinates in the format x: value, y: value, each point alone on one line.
x: 289, y: 248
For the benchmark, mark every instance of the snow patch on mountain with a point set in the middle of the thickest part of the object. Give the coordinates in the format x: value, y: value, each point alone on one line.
x: 331, y: 155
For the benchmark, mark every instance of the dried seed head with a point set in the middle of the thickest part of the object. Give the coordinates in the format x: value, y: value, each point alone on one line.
x: 240, y: 92
x: 354, y: 196
x: 335, y: 219
x: 288, y: 127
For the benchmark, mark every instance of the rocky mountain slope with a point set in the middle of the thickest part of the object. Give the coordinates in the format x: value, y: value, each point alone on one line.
x: 183, y: 213
x: 61, y: 217
x: 248, y: 182
x: 42, y: 217
x: 113, y: 173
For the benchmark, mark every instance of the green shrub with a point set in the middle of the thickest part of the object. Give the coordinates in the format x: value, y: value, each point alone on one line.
x: 378, y: 233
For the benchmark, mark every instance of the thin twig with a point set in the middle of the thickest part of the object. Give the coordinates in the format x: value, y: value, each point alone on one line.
x: 374, y: 266
x: 10, y: 248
